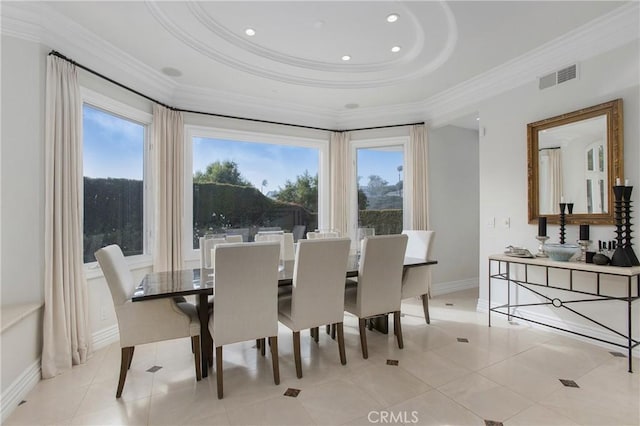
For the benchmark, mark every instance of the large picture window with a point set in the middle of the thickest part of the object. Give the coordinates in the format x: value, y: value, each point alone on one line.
x: 245, y: 183
x: 114, y: 184
x: 380, y: 185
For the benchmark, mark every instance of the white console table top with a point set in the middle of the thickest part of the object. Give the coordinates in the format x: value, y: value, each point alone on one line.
x: 576, y: 266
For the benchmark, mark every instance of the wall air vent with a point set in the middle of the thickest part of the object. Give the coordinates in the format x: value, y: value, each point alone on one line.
x: 558, y: 77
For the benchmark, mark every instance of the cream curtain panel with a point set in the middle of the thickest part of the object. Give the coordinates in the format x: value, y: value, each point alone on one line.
x: 340, y: 181
x: 418, y: 159
x: 550, y: 167
x: 168, y: 143
x: 65, y: 329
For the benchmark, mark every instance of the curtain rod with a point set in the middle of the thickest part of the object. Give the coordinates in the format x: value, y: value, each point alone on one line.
x: 255, y: 120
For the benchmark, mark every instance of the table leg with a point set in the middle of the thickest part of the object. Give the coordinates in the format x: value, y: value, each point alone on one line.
x: 206, y: 342
x: 630, y: 341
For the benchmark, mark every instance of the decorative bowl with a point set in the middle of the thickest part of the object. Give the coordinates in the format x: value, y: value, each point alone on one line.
x: 561, y: 252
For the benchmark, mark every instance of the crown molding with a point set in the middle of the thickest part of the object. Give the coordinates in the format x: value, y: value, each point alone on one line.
x: 40, y: 23
x: 610, y: 31
x: 234, y: 104
x: 615, y: 29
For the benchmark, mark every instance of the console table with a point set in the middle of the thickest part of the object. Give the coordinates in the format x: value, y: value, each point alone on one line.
x: 504, y: 273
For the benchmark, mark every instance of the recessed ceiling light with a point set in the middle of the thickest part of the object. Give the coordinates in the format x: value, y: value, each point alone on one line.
x: 171, y: 72
x: 250, y: 32
x: 346, y: 58
x: 395, y: 49
x: 477, y: 118
x: 351, y: 106
x: 393, y: 17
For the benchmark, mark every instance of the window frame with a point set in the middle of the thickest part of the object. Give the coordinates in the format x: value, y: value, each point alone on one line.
x: 193, y: 131
x: 127, y: 112
x: 407, y: 184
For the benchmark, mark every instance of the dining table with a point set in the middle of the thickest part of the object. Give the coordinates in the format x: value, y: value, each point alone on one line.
x: 201, y: 284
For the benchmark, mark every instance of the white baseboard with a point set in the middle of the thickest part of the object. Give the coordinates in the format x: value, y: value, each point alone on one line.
x: 483, y: 306
x: 105, y: 337
x: 438, y: 289
x: 19, y: 389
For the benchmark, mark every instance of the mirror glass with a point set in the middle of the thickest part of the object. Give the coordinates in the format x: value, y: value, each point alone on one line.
x: 575, y: 158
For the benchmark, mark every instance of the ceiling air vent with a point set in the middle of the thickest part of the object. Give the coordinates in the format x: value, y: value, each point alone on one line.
x: 557, y: 77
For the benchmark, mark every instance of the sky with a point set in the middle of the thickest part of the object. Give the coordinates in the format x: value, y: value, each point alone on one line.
x: 114, y: 147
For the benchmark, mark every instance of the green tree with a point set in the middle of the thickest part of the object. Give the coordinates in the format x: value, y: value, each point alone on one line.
x: 304, y: 191
x: 363, y: 201
x: 377, y: 185
x: 221, y: 172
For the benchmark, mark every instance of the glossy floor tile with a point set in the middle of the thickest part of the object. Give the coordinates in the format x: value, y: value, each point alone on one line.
x: 509, y: 373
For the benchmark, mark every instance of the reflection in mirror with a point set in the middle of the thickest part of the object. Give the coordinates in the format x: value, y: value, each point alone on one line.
x: 575, y: 158
x: 572, y: 166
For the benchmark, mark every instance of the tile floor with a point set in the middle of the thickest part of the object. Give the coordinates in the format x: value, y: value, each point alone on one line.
x: 507, y: 374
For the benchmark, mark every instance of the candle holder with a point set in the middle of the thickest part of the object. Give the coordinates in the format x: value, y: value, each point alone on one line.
x: 626, y: 206
x: 541, y: 252
x: 563, y: 219
x: 584, y: 246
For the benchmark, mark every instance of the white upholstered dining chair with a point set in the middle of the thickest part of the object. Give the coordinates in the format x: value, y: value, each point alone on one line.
x: 144, y: 322
x: 245, y: 304
x: 379, y: 281
x: 317, y: 292
x: 287, y: 250
x: 416, y: 281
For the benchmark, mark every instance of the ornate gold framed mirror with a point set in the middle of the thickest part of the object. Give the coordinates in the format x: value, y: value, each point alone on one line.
x: 576, y: 158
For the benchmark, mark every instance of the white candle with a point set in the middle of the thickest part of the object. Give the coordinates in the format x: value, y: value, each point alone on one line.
x: 626, y: 182
x: 617, y: 181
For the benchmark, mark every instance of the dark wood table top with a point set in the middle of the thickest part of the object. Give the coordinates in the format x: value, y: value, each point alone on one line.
x: 187, y: 282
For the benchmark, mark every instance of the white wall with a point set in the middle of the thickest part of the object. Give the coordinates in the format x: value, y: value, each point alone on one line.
x: 503, y: 153
x: 22, y: 192
x: 23, y: 72
x: 454, y: 206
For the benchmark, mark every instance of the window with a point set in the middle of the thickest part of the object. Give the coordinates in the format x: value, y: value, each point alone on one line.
x: 381, y: 194
x: 114, y: 176
x: 241, y: 183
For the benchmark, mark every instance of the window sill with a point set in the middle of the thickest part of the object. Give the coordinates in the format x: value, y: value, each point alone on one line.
x: 92, y: 270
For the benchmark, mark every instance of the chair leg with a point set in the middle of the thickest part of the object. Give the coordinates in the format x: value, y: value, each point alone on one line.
x: 125, y: 354
x: 343, y: 356
x: 195, y: 345
x: 133, y: 348
x: 219, y: 370
x: 257, y: 343
x: 333, y: 331
x: 398, y: 328
x: 328, y: 328
x: 425, y: 307
x: 263, y: 347
x: 296, y: 353
x: 273, y: 343
x: 316, y: 334
x: 363, y: 337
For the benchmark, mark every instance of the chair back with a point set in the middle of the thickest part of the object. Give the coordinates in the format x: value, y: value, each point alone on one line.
x: 116, y: 272
x: 233, y: 238
x: 206, y: 246
x: 318, y: 282
x: 287, y: 250
x: 416, y: 281
x: 380, y: 274
x: 322, y: 234
x: 246, y: 292
x: 419, y: 243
